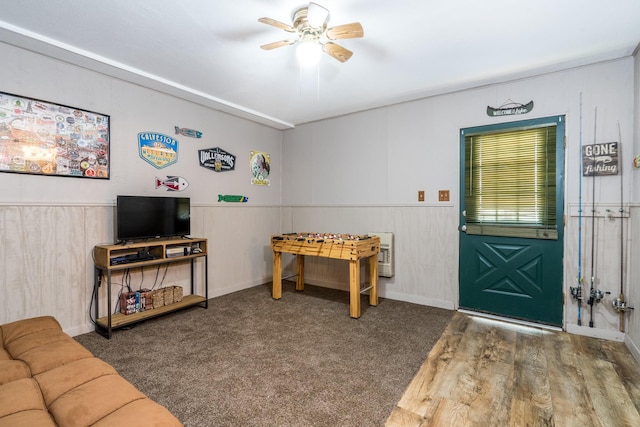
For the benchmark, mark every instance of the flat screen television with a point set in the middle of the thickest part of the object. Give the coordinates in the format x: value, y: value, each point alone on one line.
x: 145, y: 217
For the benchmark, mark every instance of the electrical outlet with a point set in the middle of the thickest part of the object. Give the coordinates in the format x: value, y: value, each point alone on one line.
x: 443, y: 195
x: 421, y: 195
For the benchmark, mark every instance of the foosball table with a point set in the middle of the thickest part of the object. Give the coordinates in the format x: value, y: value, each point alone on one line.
x: 349, y: 247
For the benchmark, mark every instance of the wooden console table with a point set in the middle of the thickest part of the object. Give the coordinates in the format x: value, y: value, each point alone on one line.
x: 109, y: 258
x: 350, y: 248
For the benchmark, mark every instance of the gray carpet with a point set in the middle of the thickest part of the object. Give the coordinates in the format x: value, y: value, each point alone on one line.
x: 250, y: 360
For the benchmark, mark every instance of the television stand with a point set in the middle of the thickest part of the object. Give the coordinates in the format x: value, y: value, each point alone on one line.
x: 110, y: 258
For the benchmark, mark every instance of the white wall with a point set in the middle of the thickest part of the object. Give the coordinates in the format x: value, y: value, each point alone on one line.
x: 362, y: 172
x: 49, y: 225
x: 632, y: 289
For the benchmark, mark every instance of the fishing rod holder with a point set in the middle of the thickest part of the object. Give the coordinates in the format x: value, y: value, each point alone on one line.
x: 621, y: 306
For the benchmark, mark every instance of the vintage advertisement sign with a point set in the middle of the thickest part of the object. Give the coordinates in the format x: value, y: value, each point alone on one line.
x: 217, y: 159
x: 510, y: 109
x: 157, y: 149
x: 260, y: 164
x: 600, y: 159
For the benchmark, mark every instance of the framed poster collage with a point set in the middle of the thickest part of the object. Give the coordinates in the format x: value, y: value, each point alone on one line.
x: 44, y: 138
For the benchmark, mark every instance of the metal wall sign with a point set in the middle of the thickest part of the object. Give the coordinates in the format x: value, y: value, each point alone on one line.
x: 217, y: 160
x: 157, y: 149
x: 260, y: 168
x: 600, y: 159
x: 510, y: 108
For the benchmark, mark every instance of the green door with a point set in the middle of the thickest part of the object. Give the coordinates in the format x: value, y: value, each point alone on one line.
x: 511, y: 219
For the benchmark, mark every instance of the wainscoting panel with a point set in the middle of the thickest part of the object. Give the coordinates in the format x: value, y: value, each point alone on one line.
x: 46, y: 264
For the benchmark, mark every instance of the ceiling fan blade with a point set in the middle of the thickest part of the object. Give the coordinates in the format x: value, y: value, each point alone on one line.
x: 338, y: 52
x: 277, y: 24
x: 346, y: 31
x: 274, y: 45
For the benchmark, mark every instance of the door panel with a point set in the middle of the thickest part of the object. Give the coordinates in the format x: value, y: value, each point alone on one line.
x: 518, y: 277
x: 512, y: 277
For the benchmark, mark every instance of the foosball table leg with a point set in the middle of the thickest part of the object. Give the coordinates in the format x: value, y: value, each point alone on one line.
x: 373, y: 278
x: 354, y: 288
x: 276, y: 285
x: 300, y: 279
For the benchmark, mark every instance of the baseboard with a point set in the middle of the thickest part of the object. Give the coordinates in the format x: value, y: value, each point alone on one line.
x: 595, y: 332
x: 633, y: 348
x: 79, y: 330
x: 430, y: 302
x: 213, y: 293
x: 414, y: 299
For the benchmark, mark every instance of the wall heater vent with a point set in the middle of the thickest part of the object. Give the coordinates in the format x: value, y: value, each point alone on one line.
x: 386, y: 255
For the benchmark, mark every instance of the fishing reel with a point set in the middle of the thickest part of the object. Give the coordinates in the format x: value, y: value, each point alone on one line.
x: 620, y: 306
x: 597, y: 295
x: 576, y: 292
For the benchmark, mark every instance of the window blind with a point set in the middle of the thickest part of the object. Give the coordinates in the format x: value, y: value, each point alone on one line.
x: 510, y: 183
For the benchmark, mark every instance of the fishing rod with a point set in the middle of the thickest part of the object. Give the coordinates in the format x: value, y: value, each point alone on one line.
x: 595, y: 295
x: 619, y: 303
x: 593, y: 220
x: 580, y: 278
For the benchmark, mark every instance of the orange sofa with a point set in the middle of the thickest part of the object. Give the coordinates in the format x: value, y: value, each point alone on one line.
x: 49, y: 379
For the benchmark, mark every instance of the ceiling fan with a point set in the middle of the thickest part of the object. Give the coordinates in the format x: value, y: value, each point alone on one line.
x: 310, y: 25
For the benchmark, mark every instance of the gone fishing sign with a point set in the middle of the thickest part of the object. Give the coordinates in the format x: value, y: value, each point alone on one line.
x: 600, y: 159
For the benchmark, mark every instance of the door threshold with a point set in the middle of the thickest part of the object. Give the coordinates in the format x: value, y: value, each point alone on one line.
x: 510, y: 320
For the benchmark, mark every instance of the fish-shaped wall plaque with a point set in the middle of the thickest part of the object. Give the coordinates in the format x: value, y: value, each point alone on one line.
x: 172, y: 183
x: 232, y: 198
x: 191, y: 133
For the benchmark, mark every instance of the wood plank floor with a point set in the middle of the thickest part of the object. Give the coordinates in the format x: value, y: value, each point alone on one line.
x: 487, y: 373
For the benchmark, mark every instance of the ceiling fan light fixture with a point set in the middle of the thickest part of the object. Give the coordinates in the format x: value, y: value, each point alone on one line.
x: 308, y: 53
x: 317, y: 15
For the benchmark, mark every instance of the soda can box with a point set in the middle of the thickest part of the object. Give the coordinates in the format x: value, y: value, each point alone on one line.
x: 129, y: 301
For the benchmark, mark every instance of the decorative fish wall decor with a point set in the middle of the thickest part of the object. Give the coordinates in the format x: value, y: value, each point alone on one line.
x: 172, y: 183
x: 232, y: 198
x: 191, y: 133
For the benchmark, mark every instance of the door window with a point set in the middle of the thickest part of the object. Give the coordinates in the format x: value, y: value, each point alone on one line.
x: 510, y: 182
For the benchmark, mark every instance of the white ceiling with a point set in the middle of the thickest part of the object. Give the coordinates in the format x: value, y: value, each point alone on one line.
x: 208, y: 50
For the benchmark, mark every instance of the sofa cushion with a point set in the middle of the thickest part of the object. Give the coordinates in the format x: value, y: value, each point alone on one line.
x: 21, y: 328
x: 4, y: 354
x: 54, y: 354
x: 12, y: 370
x: 141, y: 413
x: 29, y: 418
x: 90, y: 402
x: 58, y: 381
x: 22, y: 404
x: 41, y: 344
